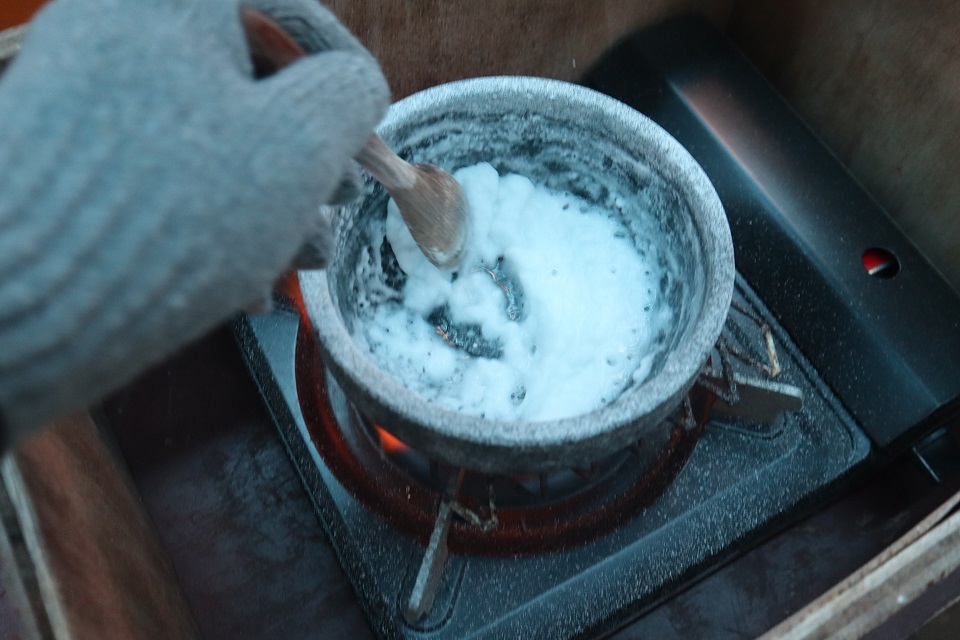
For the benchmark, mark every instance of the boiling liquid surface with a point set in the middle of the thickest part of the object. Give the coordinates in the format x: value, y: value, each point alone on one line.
x: 551, y: 314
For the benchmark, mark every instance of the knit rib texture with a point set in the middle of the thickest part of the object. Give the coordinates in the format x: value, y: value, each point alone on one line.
x: 149, y: 187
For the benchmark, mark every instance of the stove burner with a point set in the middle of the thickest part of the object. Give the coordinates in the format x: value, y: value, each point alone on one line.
x: 474, y: 513
x: 498, y: 515
x: 427, y: 546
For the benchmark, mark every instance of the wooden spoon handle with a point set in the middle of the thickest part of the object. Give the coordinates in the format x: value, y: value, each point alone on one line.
x: 268, y: 41
x: 388, y: 168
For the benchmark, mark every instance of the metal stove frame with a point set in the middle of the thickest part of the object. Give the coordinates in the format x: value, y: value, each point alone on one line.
x: 875, y: 358
x: 770, y: 471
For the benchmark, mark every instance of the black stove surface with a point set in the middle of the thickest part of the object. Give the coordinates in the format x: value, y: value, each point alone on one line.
x: 886, y: 344
x: 743, y: 480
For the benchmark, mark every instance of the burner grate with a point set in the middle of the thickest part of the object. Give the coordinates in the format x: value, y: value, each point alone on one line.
x: 743, y: 480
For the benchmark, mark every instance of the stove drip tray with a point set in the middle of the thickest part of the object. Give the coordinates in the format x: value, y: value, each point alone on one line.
x: 743, y: 479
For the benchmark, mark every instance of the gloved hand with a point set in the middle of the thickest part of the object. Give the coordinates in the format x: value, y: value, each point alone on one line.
x: 149, y: 187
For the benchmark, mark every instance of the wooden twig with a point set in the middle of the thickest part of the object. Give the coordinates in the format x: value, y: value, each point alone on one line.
x: 922, y: 557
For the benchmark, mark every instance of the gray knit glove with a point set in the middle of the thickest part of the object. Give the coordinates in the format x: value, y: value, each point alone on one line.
x: 149, y: 187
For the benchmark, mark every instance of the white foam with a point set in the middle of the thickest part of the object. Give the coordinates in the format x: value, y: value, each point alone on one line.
x: 590, y: 306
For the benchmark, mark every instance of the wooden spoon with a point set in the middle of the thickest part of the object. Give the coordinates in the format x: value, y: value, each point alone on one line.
x: 430, y: 200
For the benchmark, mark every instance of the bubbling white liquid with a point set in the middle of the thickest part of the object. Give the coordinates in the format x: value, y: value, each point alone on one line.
x: 589, y: 315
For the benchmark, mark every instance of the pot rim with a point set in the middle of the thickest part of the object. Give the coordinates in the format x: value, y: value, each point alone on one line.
x: 495, y: 445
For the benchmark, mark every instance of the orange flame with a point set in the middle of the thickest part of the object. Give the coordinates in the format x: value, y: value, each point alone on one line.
x: 389, y: 442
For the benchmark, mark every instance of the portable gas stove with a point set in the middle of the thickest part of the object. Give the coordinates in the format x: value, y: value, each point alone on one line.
x: 839, y: 351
